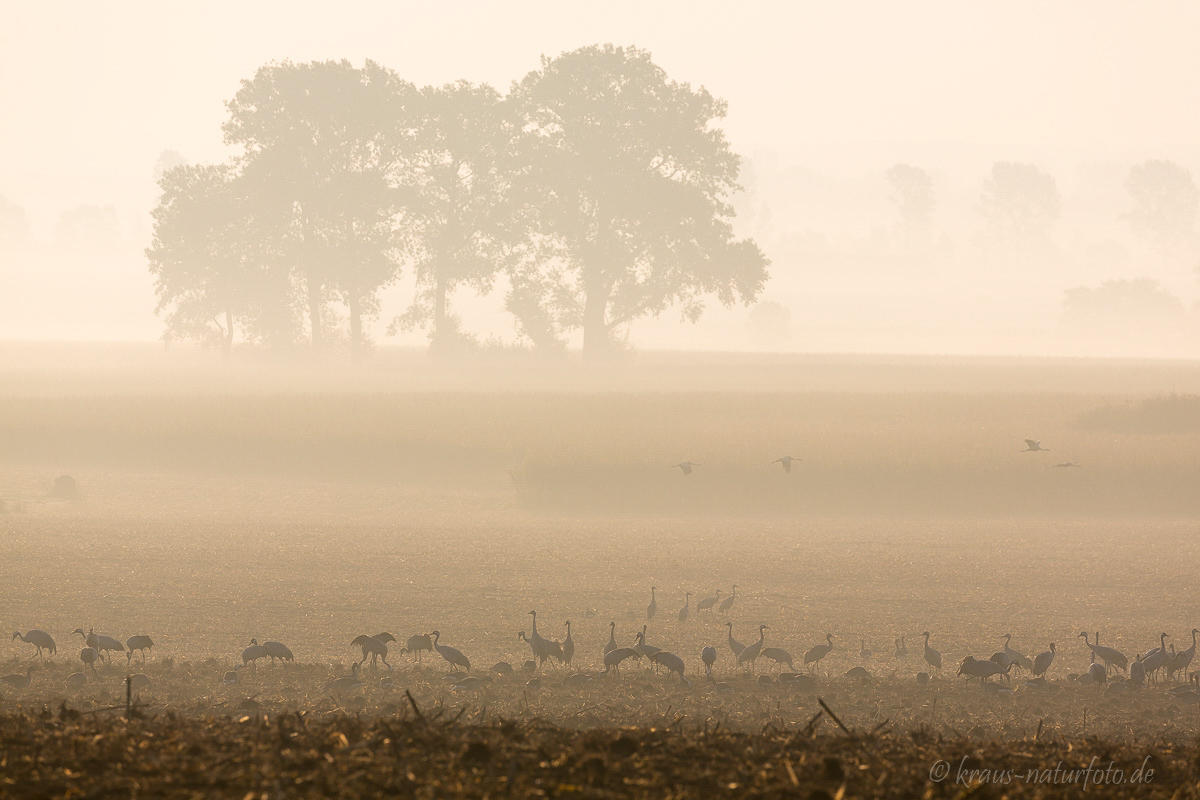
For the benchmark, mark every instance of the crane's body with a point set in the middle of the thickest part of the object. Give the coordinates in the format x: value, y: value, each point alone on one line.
x: 39, y: 639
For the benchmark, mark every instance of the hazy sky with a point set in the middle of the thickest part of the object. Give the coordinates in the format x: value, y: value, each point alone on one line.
x: 91, y: 93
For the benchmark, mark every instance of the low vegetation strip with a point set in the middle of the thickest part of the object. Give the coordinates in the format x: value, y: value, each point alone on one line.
x: 68, y: 754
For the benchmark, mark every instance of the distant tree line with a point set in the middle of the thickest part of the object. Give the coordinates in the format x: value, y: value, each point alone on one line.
x: 599, y: 188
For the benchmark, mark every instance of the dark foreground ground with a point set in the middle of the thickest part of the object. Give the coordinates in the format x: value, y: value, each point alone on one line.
x: 412, y: 754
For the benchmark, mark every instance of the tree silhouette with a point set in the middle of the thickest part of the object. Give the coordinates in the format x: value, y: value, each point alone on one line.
x: 1020, y: 205
x: 627, y: 181
x: 212, y: 273
x: 1165, y: 199
x: 323, y: 142
x: 913, y: 197
x: 453, y: 225
x: 14, y: 226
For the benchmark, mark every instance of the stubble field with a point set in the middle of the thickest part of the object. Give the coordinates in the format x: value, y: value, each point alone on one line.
x: 311, y: 512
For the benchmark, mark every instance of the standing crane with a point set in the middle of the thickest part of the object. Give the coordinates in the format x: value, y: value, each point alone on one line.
x: 39, y: 639
x: 88, y: 656
x: 687, y: 608
x: 709, y: 657
x: 451, y: 654
x: 1185, y: 656
x: 1020, y: 659
x: 708, y: 602
x: 652, y: 609
x: 728, y: 602
x: 1110, y: 657
x: 568, y: 646
x: 932, y: 657
x: 752, y: 652
x: 612, y: 638
x: 901, y: 648
x: 1156, y: 659
x: 734, y: 645
x: 1043, y: 661
x: 613, y: 658
x: 815, y: 654
x: 418, y: 643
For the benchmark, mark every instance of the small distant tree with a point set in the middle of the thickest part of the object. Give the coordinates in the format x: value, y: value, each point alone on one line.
x: 1021, y: 206
x: 913, y: 196
x: 213, y: 275
x: 453, y: 225
x: 322, y: 144
x: 628, y: 180
x: 1122, y: 306
x: 14, y: 226
x: 1165, y: 200
x: 88, y: 226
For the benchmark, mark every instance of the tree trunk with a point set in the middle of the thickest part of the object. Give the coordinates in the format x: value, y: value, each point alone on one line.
x: 596, y: 342
x: 439, y: 311
x: 355, y: 327
x: 227, y: 337
x: 314, y: 312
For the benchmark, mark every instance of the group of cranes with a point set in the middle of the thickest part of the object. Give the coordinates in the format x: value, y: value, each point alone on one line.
x: 95, y: 646
x: 707, y: 604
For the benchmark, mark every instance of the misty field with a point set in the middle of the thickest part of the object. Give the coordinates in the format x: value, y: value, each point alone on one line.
x: 310, y: 512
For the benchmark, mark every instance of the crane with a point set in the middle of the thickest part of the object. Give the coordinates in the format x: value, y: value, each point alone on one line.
x: 568, y: 646
x: 253, y: 653
x: 786, y: 462
x: 643, y: 649
x: 778, y: 655
x: 687, y: 607
x: 686, y: 467
x: 1043, y: 661
x: 88, y: 656
x: 1156, y: 659
x: 727, y: 603
x: 372, y: 648
x: 734, y: 645
x: 101, y: 643
x: 1110, y: 656
x: 76, y: 680
x: 137, y: 642
x: 278, y: 650
x: 1186, y: 656
x: 18, y: 681
x: 1020, y: 659
x: 417, y: 643
x: 932, y: 657
x: 751, y: 653
x: 672, y: 662
x: 864, y: 652
x: 613, y: 658
x: 815, y: 654
x: 652, y: 609
x: 346, y: 683
x: 982, y: 669
x: 1137, y: 672
x: 39, y: 639
x: 451, y: 654
x: 612, y: 638
x: 709, y: 657
x: 708, y: 602
x: 901, y: 648
x: 1034, y: 446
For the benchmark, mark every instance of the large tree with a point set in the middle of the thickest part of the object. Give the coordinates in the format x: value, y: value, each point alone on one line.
x: 212, y: 267
x: 1165, y: 199
x: 454, y: 226
x: 1021, y: 206
x: 323, y: 143
x: 627, y: 179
